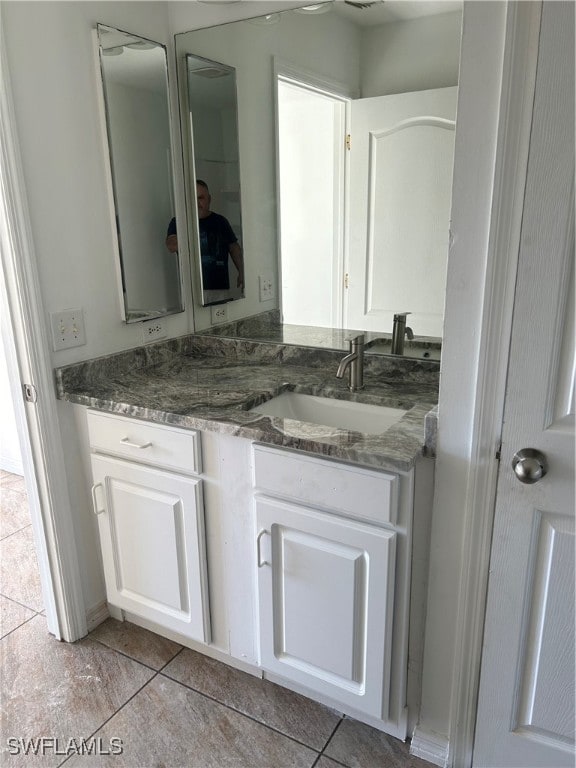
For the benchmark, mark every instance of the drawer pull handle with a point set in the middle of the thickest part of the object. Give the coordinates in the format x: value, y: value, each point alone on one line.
x: 97, y: 511
x: 259, y: 560
x: 126, y: 441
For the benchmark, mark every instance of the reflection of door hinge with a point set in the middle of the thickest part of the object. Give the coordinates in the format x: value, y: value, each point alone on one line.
x: 30, y: 394
x: 348, y: 141
x: 346, y: 280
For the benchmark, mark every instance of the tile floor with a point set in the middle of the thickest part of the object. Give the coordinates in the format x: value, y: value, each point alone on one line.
x: 145, y: 700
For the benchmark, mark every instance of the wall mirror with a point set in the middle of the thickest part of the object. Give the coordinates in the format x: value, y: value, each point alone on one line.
x: 346, y: 116
x: 135, y: 88
x: 215, y: 172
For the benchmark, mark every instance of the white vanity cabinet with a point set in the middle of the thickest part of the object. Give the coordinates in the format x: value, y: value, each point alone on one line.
x: 332, y: 544
x: 148, y: 498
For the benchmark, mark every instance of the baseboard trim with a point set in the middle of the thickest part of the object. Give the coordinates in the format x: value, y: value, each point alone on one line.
x: 96, y: 615
x: 430, y: 746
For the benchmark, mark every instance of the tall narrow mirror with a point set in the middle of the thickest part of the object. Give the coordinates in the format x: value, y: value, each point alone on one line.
x: 135, y: 87
x: 215, y: 179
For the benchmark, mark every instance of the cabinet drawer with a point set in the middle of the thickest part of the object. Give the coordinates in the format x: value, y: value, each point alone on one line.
x: 164, y: 447
x: 353, y: 491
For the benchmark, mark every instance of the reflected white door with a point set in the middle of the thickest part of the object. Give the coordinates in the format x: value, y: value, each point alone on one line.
x: 310, y: 152
x: 526, y: 702
x: 401, y: 160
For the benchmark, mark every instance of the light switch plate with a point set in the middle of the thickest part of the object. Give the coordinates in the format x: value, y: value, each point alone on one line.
x: 67, y: 329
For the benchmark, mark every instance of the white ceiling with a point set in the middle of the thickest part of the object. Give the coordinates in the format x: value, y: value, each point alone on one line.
x: 394, y: 10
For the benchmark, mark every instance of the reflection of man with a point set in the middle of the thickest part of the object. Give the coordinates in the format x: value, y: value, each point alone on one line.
x: 217, y: 242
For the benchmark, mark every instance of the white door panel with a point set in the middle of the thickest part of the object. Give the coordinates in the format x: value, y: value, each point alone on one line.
x: 326, y: 590
x: 153, y: 548
x: 401, y: 162
x: 526, y: 707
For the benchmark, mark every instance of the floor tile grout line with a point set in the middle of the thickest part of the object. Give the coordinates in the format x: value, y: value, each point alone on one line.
x: 107, y: 720
x: 19, y: 602
x: 323, y: 752
x: 239, y: 712
x: 207, y: 696
x: 13, y: 600
x: 9, y: 535
x: 3, y: 637
x: 172, y: 659
x: 127, y: 655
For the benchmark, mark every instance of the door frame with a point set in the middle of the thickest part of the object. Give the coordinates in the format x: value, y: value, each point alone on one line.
x: 339, y: 92
x: 514, y: 130
x: 498, y: 66
x: 27, y: 351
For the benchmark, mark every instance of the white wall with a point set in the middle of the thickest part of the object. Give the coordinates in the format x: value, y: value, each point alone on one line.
x: 415, y: 55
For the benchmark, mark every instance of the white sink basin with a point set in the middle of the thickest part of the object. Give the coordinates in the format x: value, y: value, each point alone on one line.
x: 342, y: 414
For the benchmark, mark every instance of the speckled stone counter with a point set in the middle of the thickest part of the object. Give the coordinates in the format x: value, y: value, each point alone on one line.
x: 268, y: 327
x: 210, y: 384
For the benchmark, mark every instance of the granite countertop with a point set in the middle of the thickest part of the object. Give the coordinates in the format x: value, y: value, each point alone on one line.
x: 269, y: 327
x: 209, y: 384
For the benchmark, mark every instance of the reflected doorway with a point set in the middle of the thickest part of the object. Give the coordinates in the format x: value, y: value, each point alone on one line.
x: 311, y: 188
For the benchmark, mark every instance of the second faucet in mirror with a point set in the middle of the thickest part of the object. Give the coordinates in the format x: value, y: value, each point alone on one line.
x: 399, y: 332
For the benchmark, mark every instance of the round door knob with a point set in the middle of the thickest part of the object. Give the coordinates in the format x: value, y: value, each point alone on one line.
x: 529, y: 465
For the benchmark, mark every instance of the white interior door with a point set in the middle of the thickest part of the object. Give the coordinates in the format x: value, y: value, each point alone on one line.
x: 311, y: 129
x: 526, y: 707
x: 401, y: 159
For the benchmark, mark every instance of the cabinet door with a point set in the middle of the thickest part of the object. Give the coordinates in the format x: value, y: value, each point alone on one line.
x: 153, y: 546
x: 326, y: 588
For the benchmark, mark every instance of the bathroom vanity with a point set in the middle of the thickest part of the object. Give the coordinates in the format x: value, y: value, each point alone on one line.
x: 290, y: 549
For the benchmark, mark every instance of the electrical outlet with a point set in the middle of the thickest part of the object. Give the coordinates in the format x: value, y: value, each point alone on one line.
x: 67, y: 329
x: 266, y: 286
x: 153, y: 330
x: 219, y: 313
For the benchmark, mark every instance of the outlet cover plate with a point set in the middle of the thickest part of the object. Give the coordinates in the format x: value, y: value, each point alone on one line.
x: 219, y: 314
x: 153, y: 330
x: 67, y: 329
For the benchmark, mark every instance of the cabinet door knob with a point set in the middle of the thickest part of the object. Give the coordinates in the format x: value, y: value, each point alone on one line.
x: 259, y: 559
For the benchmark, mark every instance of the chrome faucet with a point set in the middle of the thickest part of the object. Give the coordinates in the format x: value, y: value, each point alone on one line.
x: 355, y: 362
x: 399, y: 331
